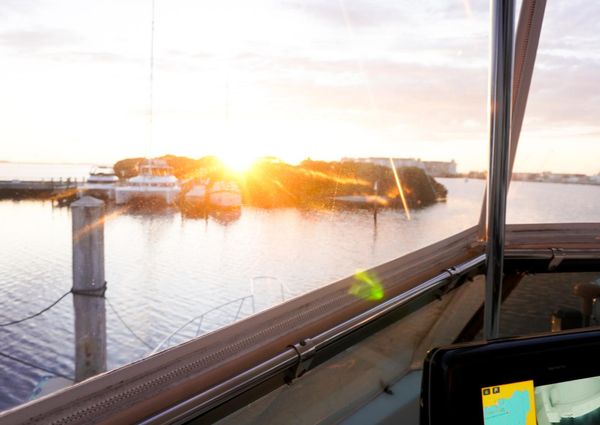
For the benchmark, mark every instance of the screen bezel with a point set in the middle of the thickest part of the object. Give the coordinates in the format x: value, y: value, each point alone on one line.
x: 454, y: 376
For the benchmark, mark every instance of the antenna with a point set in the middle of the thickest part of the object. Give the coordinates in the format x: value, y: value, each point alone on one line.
x: 151, y: 100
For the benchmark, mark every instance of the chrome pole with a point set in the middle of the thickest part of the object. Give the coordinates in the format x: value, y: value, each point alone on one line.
x: 500, y: 112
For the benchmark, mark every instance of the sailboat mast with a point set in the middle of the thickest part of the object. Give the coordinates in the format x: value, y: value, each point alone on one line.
x: 498, y: 172
x: 151, y: 99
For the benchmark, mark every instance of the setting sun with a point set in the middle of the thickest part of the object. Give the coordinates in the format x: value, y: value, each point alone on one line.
x: 239, y: 162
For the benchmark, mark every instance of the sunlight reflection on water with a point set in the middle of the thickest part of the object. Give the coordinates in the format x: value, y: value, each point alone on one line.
x: 162, y: 269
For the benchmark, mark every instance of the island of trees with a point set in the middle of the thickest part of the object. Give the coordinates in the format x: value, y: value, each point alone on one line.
x: 272, y: 183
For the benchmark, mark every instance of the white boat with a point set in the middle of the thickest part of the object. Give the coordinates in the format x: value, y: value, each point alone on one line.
x: 196, y: 199
x: 155, y: 184
x: 101, y: 183
x: 224, y: 195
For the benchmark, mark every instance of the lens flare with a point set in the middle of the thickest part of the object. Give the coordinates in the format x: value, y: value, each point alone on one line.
x: 336, y: 179
x: 406, y: 210
x: 105, y: 218
x: 367, y: 286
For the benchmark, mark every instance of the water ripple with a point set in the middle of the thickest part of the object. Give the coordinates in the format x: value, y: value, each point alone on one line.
x: 162, y: 271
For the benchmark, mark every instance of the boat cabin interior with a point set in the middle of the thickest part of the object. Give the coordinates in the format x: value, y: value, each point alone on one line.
x: 492, y: 324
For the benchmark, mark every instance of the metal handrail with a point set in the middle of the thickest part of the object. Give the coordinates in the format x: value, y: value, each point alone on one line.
x: 331, y: 341
x: 290, y: 358
x: 549, y: 253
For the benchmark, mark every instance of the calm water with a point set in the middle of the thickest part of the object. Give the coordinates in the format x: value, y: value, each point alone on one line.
x: 33, y: 171
x: 163, y: 269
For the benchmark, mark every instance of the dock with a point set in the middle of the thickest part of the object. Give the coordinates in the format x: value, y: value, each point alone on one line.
x: 62, y: 191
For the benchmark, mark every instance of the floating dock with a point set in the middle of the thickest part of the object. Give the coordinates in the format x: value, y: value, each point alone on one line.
x: 62, y: 191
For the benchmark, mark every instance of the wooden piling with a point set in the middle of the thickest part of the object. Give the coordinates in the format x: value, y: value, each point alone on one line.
x: 88, y: 287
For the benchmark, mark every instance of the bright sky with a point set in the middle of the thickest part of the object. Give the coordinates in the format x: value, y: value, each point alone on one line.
x: 291, y: 78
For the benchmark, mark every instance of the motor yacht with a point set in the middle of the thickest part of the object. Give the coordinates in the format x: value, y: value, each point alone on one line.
x: 101, y: 183
x: 154, y: 184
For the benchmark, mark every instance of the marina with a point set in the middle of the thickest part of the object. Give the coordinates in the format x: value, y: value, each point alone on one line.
x: 289, y: 232
x: 163, y: 269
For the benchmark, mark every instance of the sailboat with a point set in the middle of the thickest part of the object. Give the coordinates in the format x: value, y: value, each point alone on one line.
x: 352, y: 352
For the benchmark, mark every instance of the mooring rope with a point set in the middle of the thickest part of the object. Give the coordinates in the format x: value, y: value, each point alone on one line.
x: 14, y: 322
x: 96, y: 292
x: 127, y: 326
x: 35, y: 366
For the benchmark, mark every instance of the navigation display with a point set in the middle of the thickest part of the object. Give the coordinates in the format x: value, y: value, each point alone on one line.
x: 520, y: 403
x: 509, y: 404
x: 549, y: 379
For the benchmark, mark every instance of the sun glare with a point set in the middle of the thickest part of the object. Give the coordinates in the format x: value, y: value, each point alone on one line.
x: 238, y: 162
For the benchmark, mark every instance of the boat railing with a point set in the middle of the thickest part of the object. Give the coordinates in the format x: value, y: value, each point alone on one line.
x: 198, y: 321
x: 254, y: 283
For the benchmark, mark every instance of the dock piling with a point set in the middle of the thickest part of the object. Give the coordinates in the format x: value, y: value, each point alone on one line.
x: 88, y: 287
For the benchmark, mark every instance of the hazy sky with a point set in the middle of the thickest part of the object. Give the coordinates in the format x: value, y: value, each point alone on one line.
x: 290, y: 78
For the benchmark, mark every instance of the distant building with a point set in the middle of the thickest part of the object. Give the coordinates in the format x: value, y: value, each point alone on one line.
x: 385, y: 161
x: 477, y: 175
x: 440, y: 168
x: 576, y: 178
x: 564, y: 178
x: 433, y: 168
x: 527, y: 176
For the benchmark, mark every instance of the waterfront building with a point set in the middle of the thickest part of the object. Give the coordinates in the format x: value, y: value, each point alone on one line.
x: 433, y: 168
x: 440, y: 168
x: 385, y: 161
x: 526, y: 176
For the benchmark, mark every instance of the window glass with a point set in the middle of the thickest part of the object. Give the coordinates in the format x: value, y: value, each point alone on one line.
x: 556, y: 172
x: 252, y: 151
x: 525, y: 313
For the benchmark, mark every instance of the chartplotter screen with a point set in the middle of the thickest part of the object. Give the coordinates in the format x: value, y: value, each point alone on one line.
x: 551, y: 379
x: 523, y: 403
x: 509, y: 404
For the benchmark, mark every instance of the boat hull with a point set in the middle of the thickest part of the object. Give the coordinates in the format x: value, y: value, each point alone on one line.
x: 194, y: 206
x: 195, y: 201
x: 154, y: 196
x: 227, y: 200
x: 105, y: 192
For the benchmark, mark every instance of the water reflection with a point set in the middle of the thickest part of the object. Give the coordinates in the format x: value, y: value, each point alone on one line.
x: 226, y: 217
x: 163, y: 270
x: 221, y: 216
x: 144, y: 209
x: 194, y: 213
